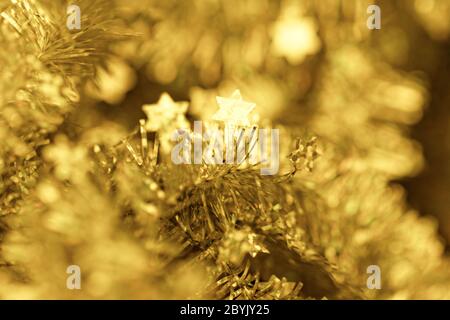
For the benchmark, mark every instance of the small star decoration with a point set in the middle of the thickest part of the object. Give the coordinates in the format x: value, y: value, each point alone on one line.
x: 234, y: 110
x: 164, y: 113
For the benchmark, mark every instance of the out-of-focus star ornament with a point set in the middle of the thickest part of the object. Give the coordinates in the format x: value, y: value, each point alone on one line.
x: 295, y: 38
x: 165, y: 113
x: 234, y: 111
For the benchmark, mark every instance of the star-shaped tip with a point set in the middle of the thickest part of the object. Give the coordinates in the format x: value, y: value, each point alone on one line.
x: 165, y: 99
x: 236, y: 94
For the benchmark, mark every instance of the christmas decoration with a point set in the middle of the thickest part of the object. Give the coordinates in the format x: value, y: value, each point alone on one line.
x: 234, y: 111
x: 96, y: 96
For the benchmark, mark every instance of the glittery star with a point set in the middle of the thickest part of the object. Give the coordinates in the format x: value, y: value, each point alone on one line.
x: 234, y: 110
x: 164, y: 112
